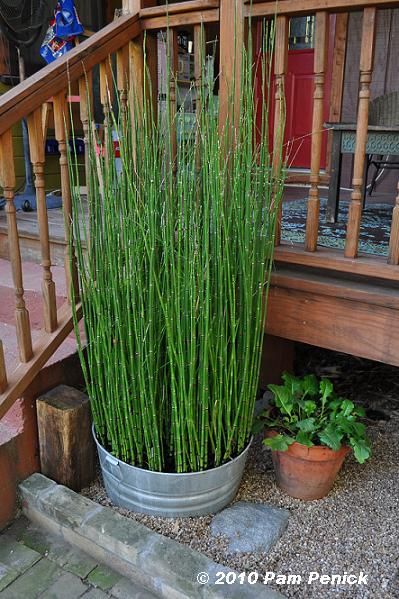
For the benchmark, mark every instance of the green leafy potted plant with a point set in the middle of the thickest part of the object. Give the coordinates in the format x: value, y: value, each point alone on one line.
x: 174, y: 268
x: 310, y: 430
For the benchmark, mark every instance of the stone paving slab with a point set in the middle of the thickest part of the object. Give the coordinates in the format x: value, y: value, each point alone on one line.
x: 67, y: 586
x: 7, y: 576
x: 34, y: 581
x: 35, y: 564
x: 16, y: 555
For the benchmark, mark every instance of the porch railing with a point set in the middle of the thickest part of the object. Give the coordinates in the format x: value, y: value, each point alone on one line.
x: 122, y: 42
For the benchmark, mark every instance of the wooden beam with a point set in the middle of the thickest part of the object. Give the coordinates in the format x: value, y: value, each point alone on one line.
x: 330, y: 259
x: 56, y: 77
x: 328, y: 320
x: 67, y: 451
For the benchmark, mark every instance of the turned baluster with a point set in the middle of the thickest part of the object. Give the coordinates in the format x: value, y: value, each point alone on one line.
x: 36, y: 143
x: 122, y: 78
x: 366, y: 70
x: 3, y: 372
x: 86, y: 113
x: 106, y: 87
x: 280, y: 70
x: 393, y: 254
x: 61, y: 124
x: 199, y: 65
x: 320, y: 67
x: 231, y: 45
x: 7, y: 173
x: 173, y: 66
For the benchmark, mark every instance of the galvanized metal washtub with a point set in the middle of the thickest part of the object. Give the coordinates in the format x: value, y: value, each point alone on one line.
x: 168, y: 494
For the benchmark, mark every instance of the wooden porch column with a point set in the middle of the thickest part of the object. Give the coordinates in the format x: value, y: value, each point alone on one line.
x: 231, y: 46
x: 280, y: 70
x: 366, y: 70
x: 320, y: 68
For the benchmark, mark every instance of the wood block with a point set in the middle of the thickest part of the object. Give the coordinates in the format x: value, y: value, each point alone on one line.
x: 67, y: 452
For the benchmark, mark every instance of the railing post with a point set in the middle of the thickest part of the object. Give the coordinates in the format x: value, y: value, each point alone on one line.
x: 366, y: 70
x: 393, y: 255
x: 280, y: 70
x: 86, y: 113
x: 61, y: 124
x: 3, y: 372
x: 231, y: 46
x: 320, y: 67
x: 7, y: 172
x: 106, y: 95
x: 36, y: 143
x: 172, y: 82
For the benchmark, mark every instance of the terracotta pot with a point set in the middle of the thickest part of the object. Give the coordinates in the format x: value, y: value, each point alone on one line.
x: 307, y: 472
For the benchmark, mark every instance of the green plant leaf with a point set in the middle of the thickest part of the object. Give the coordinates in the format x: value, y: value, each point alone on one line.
x: 293, y: 383
x: 304, y: 439
x: 331, y: 437
x: 258, y: 426
x: 310, y: 385
x: 310, y: 406
x: 307, y: 425
x: 326, y: 389
x: 361, y: 449
x: 279, y: 442
x: 283, y: 398
x: 347, y: 407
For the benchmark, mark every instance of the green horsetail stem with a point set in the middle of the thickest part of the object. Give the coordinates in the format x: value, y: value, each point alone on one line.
x: 174, y: 266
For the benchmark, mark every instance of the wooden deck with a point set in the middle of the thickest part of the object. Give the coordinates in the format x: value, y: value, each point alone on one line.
x: 319, y: 298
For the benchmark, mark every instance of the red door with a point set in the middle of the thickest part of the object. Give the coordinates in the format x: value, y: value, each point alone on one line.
x: 299, y: 95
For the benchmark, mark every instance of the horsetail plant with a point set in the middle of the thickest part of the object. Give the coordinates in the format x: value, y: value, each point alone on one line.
x: 174, y: 267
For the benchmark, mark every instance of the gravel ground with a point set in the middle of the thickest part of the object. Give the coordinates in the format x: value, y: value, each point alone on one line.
x: 355, y: 529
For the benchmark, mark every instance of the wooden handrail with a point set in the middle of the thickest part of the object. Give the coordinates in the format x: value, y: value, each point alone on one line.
x: 260, y: 8
x: 55, y: 78
x: 178, y: 8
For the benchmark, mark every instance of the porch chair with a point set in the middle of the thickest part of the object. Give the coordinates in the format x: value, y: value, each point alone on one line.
x: 383, y: 112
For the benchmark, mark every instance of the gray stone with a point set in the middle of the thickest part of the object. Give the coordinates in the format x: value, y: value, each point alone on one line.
x: 38, y: 540
x: 250, y: 527
x: 7, y: 576
x: 34, y: 582
x: 125, y: 589
x: 110, y: 530
x: 96, y: 594
x: 146, y: 557
x: 36, y: 485
x: 78, y: 563
x: 15, y: 555
x: 103, y: 577
x: 67, y: 586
